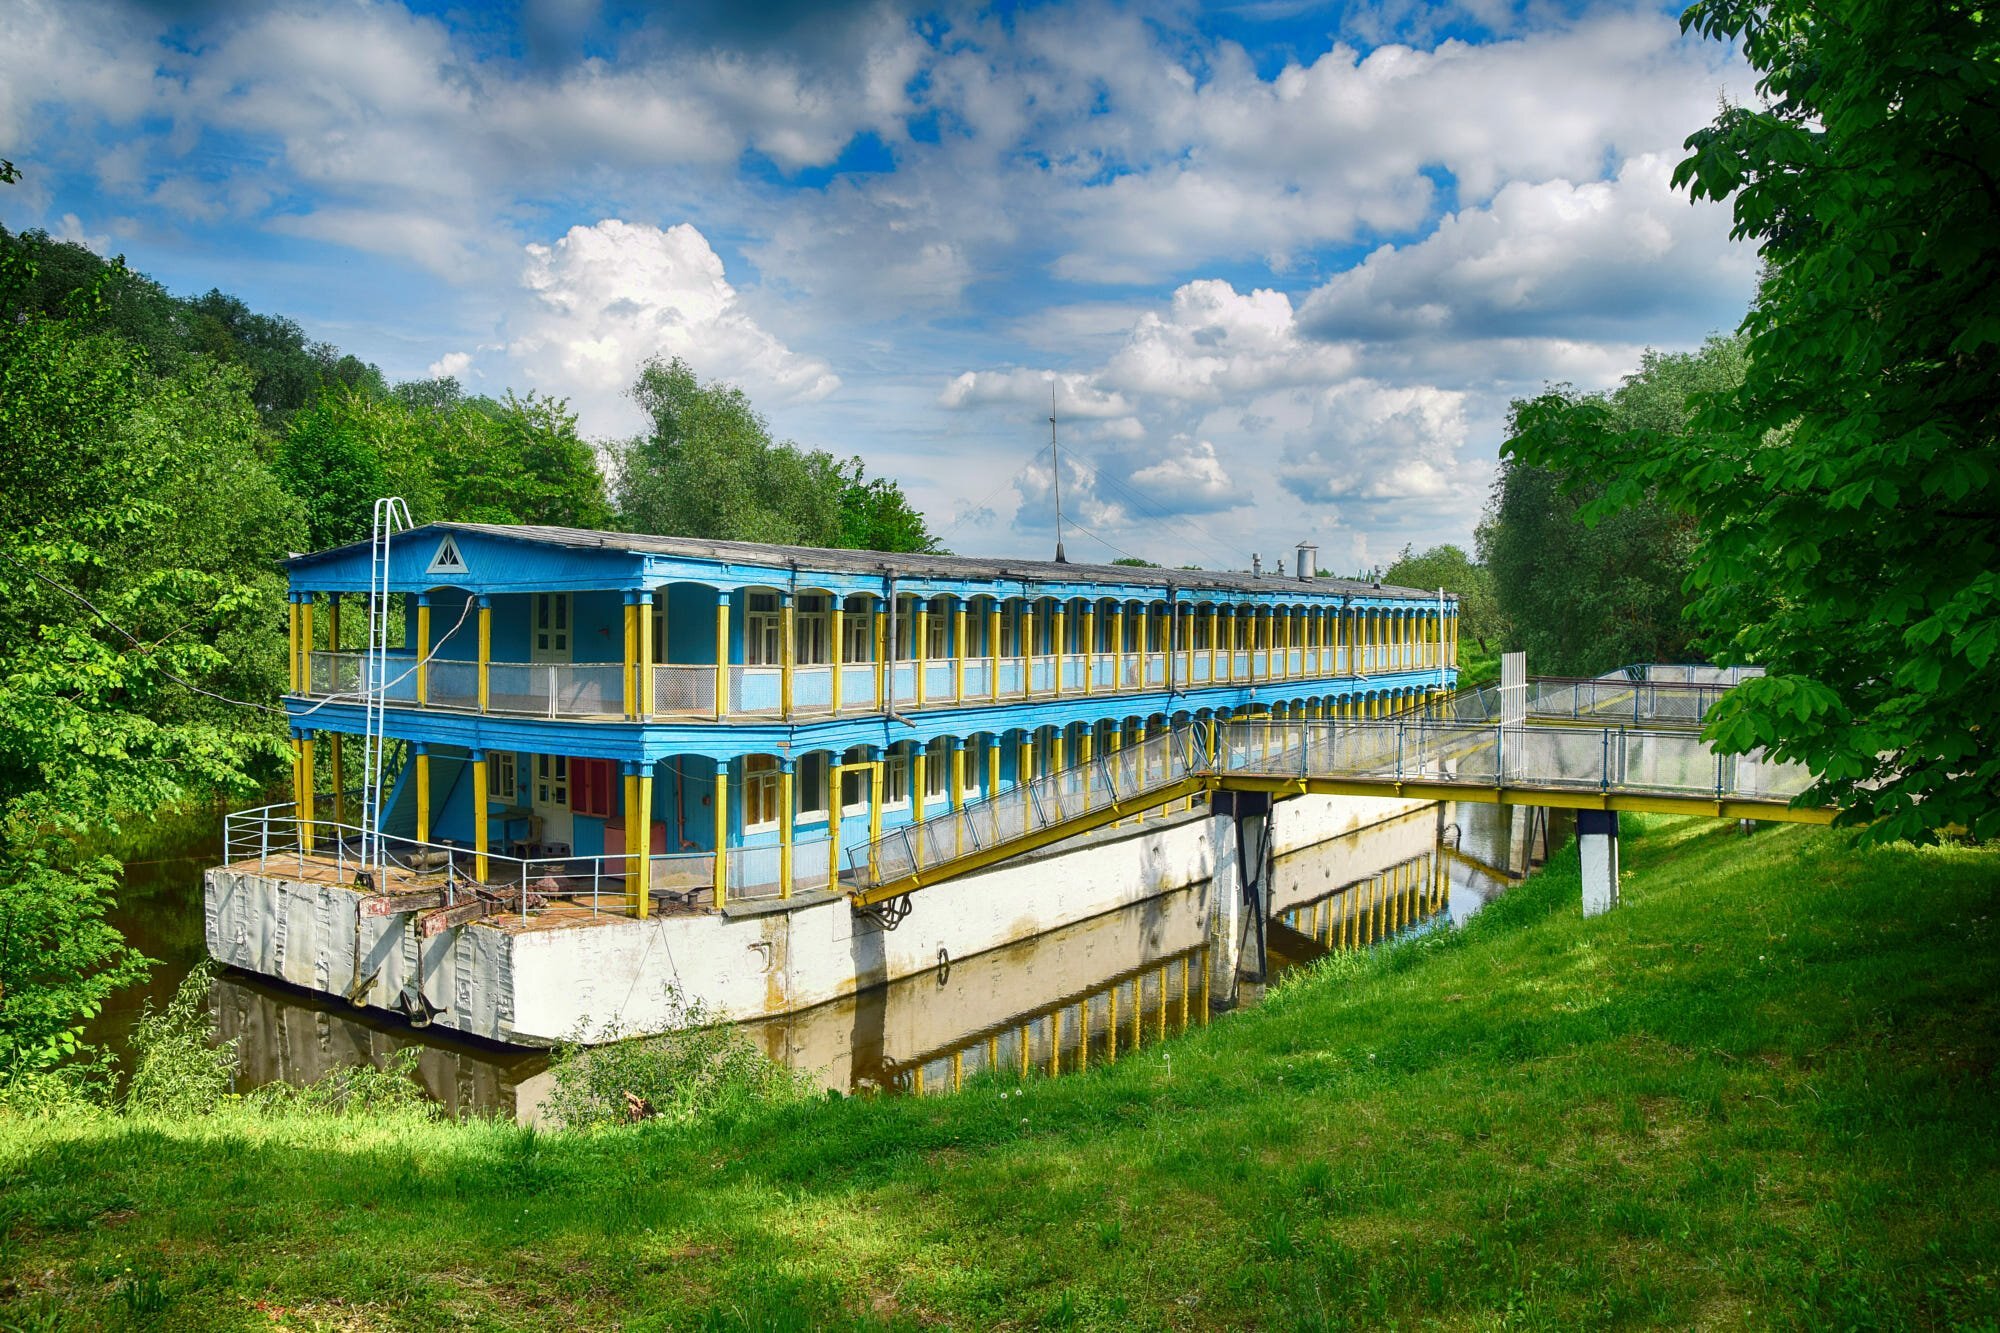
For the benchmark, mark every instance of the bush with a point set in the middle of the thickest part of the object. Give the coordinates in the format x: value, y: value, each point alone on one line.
x: 358, y: 1090
x: 701, y: 1071
x: 179, y: 1073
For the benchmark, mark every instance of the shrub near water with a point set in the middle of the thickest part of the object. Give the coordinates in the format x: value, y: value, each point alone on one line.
x: 179, y: 1072
x: 698, y: 1071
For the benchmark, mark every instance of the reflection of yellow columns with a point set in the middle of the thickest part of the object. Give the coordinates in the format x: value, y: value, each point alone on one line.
x: 836, y: 646
x: 303, y: 795
x: 993, y: 649
x: 423, y: 649
x: 642, y: 889
x: 423, y: 763
x: 721, y: 654
x: 720, y: 888
x: 482, y: 833
x: 785, y: 828
x: 834, y: 771
x: 1056, y: 644
x: 646, y: 663
x: 958, y: 650
x: 788, y: 654
x: 920, y: 646
x: 485, y: 652
x: 1089, y: 646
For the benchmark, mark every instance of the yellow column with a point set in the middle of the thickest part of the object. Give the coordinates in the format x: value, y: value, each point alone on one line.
x: 303, y: 796
x: 339, y: 780
x: 833, y: 773
x: 646, y: 653
x: 721, y: 655
x: 292, y: 646
x: 788, y: 656
x: 482, y: 834
x: 958, y: 650
x: 1183, y: 625
x: 720, y: 890
x: 1027, y: 648
x: 1056, y: 645
x: 957, y: 776
x: 785, y: 829
x: 882, y: 676
x: 1056, y: 764
x: 423, y: 650
x: 920, y: 645
x: 1229, y: 646
x: 993, y: 767
x: 1089, y: 646
x: 642, y: 903
x: 485, y: 653
x: 423, y: 763
x: 1140, y: 622
x: 836, y: 628
x: 1024, y: 762
x: 875, y: 758
x: 631, y: 659
x: 306, y: 644
x: 993, y: 649
x: 1214, y: 638
x: 919, y: 780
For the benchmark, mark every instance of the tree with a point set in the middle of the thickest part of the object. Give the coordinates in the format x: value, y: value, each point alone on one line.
x: 127, y: 500
x: 709, y: 468
x: 1844, y: 492
x: 1582, y: 597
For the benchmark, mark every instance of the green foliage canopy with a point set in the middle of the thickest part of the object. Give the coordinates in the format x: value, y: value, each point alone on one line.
x: 1582, y: 597
x: 709, y: 468
x: 1450, y: 568
x: 1844, y: 493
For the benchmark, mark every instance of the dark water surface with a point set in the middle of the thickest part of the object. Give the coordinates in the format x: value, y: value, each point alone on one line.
x: 1073, y: 997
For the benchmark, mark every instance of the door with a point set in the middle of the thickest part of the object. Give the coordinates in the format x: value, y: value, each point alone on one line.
x: 549, y: 637
x: 551, y: 799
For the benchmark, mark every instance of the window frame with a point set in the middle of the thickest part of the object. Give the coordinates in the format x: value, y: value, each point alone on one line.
x: 553, y: 781
x: 498, y: 762
x: 763, y: 629
x: 760, y: 787
x: 810, y: 774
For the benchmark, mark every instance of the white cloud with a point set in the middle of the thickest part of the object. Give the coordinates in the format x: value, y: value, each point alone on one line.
x: 605, y: 298
x: 449, y: 366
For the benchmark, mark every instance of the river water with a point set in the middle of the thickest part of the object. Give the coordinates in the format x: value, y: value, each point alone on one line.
x: 1065, y: 1000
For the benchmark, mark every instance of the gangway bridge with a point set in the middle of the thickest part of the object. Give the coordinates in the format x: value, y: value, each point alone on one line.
x: 1534, y: 747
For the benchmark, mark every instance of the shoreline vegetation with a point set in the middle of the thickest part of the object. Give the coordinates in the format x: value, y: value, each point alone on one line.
x: 1761, y: 1093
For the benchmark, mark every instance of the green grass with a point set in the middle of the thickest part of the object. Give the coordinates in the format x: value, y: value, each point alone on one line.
x: 1762, y: 1093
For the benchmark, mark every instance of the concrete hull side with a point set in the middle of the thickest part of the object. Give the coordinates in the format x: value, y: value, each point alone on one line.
x: 540, y: 986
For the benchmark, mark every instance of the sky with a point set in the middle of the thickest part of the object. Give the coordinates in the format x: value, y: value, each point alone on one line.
x: 1283, y: 264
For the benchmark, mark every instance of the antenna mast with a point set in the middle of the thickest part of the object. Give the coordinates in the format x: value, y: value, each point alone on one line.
x: 1055, y: 454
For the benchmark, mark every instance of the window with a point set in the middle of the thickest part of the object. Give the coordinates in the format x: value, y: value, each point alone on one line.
x: 811, y: 628
x: 857, y: 632
x: 761, y: 629
x: 896, y: 780
x: 659, y: 627
x: 810, y: 780
x: 906, y: 627
x: 591, y: 786
x: 552, y: 625
x: 855, y: 781
x: 551, y: 779
x: 760, y: 792
x: 936, y: 630
x: 937, y: 768
x: 500, y: 776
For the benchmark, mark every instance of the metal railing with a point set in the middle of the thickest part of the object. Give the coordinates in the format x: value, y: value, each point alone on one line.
x: 271, y: 837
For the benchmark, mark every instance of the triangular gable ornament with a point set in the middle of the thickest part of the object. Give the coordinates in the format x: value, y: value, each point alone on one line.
x: 447, y: 560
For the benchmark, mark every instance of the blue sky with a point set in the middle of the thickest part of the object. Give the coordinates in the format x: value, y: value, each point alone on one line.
x: 1285, y: 264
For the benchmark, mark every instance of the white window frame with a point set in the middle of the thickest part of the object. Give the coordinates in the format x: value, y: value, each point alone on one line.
x: 810, y: 630
x: 855, y: 768
x: 906, y: 625
x: 857, y: 633
x: 551, y: 626
x: 761, y: 774
x: 937, y: 628
x: 502, y: 776
x: 763, y: 629
x: 896, y: 778
x: 809, y: 783
x: 552, y: 780
x: 937, y: 769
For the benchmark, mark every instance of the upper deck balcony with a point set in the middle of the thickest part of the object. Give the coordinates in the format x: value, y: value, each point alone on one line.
x: 601, y: 626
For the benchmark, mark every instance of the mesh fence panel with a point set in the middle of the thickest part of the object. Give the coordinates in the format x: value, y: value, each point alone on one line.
x: 684, y: 689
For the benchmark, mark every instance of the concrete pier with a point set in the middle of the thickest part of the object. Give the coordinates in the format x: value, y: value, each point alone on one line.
x: 1597, y: 845
x: 533, y: 984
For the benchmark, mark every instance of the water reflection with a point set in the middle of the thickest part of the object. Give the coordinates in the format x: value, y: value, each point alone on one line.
x: 1065, y: 1001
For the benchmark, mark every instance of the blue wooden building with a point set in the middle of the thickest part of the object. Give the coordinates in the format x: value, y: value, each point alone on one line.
x: 559, y: 700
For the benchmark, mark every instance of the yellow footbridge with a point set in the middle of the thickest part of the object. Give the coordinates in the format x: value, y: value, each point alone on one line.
x: 1558, y: 761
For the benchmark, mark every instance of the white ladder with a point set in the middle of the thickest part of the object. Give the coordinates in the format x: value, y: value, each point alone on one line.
x: 391, y: 516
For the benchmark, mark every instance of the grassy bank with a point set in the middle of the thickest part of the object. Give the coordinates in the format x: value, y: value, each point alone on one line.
x: 1762, y: 1093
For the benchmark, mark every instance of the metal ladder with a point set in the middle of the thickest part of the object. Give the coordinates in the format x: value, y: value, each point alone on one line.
x: 391, y: 516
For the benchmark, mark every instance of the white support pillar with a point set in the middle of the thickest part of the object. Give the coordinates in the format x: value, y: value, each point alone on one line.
x: 1597, y: 844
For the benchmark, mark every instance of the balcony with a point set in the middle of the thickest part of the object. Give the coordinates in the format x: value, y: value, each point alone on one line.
x: 588, y: 691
